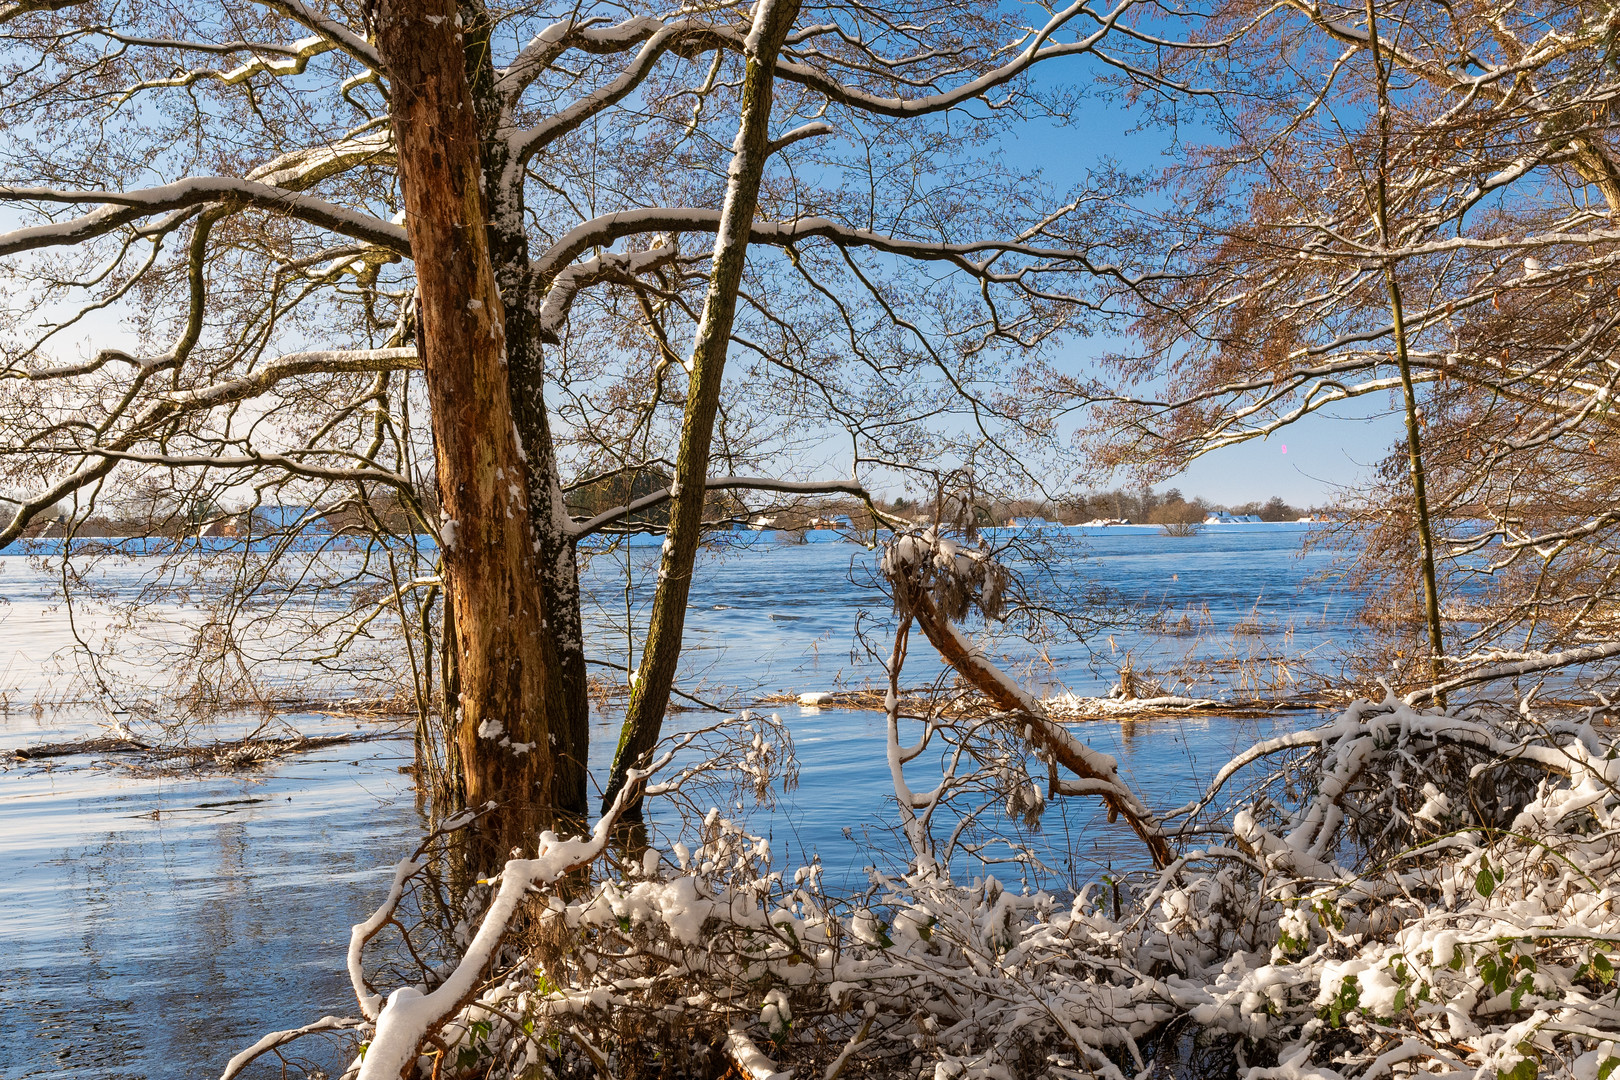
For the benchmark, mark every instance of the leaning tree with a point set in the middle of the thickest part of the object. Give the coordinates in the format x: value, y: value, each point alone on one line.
x: 449, y: 269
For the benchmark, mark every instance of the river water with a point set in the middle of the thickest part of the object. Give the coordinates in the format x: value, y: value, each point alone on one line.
x: 153, y: 925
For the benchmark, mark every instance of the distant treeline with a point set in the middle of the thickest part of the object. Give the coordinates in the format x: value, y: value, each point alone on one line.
x: 186, y: 515
x: 1142, y: 506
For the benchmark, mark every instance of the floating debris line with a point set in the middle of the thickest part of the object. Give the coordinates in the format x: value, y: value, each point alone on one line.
x: 243, y: 753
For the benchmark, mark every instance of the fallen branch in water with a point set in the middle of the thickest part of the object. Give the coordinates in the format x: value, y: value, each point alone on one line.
x: 227, y: 754
x: 103, y: 745
x: 934, y: 582
x: 1067, y: 708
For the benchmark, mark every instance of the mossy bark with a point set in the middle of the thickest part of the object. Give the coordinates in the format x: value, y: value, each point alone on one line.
x: 655, y: 677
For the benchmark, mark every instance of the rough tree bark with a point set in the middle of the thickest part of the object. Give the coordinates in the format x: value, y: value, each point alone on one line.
x: 567, y: 703
x: 502, y: 647
x: 652, y: 681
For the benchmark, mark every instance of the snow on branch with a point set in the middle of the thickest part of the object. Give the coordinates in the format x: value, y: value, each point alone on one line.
x: 18, y: 8
x: 1509, y: 667
x: 976, y: 257
x: 96, y: 461
x: 324, y: 361
x: 609, y: 266
x: 298, y: 169
x: 1442, y: 901
x: 293, y: 60
x: 344, y: 38
x: 409, y: 1015
x: 276, y: 1039
x: 119, y: 208
x: 586, y: 34
x: 525, y: 143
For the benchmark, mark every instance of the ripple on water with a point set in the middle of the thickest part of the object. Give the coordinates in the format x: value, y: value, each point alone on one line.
x: 147, y: 934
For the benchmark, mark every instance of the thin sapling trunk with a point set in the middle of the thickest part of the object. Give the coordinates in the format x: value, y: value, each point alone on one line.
x: 1414, y: 444
x: 653, y: 680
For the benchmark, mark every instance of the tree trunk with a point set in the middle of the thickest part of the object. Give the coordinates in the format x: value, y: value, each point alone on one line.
x: 1420, y: 489
x: 567, y: 702
x: 1414, y: 444
x: 569, y: 705
x: 489, y: 561
x: 653, y: 680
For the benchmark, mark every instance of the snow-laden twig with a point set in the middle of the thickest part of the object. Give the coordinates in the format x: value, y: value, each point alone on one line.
x: 751, y: 1062
x: 1527, y: 664
x: 118, y: 208
x: 276, y: 1039
x: 411, y: 1016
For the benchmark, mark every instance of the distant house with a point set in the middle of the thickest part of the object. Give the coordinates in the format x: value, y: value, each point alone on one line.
x: 1221, y: 517
x: 225, y: 526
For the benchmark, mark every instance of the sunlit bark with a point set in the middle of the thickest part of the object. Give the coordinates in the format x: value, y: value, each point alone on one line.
x: 505, y: 658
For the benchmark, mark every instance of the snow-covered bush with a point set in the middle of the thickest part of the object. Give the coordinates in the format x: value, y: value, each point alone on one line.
x: 1392, y: 921
x: 1397, y: 892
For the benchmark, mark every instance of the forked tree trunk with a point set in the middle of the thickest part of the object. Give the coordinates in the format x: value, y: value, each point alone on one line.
x: 567, y: 703
x: 502, y: 661
x: 653, y: 680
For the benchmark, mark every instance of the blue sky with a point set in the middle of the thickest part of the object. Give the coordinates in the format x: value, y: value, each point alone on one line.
x: 1326, y: 452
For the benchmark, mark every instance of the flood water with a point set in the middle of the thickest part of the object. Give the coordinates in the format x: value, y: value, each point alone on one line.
x: 152, y: 926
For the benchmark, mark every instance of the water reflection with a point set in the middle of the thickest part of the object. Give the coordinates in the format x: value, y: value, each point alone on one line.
x: 147, y: 938
x: 153, y: 927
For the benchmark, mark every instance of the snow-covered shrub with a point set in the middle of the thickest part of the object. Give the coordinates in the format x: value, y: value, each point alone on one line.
x: 1411, y: 893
